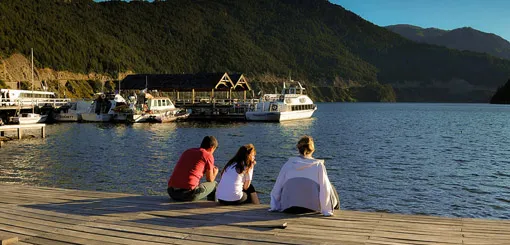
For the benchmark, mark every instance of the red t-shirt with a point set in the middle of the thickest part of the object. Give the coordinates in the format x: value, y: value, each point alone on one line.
x: 190, y: 168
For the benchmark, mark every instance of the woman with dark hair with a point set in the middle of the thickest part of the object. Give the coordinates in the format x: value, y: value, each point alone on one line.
x: 235, y: 185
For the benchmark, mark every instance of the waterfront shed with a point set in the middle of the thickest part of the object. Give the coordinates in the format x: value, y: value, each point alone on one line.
x: 241, y: 85
x: 188, y: 87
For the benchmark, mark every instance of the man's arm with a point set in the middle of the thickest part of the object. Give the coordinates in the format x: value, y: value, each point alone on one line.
x: 210, y: 175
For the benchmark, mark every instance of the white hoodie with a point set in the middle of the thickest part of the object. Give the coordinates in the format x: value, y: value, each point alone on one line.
x: 303, y: 182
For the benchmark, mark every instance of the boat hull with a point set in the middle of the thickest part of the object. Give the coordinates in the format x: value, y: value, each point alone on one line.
x: 29, y: 120
x: 93, y: 117
x: 276, y: 116
x: 121, y: 117
x: 67, y: 117
x: 169, y: 116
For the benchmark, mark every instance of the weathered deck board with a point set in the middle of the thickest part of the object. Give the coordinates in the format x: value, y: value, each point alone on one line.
x: 42, y: 215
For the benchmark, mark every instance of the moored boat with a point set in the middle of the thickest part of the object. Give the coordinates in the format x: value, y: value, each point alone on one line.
x: 72, y: 111
x: 291, y: 104
x: 28, y: 118
x: 156, y: 109
x: 106, y: 108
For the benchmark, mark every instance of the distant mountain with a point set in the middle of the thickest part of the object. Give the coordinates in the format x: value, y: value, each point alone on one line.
x: 338, y: 55
x: 465, y: 38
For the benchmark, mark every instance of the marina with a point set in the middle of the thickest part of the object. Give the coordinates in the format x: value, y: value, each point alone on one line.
x: 202, y: 96
x: 42, y: 215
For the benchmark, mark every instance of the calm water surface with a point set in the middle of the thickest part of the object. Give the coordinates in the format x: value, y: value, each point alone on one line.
x: 436, y: 159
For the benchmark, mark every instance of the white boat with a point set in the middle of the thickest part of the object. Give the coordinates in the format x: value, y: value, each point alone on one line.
x: 291, y: 104
x: 72, y: 111
x: 156, y: 109
x: 106, y: 108
x: 29, y: 118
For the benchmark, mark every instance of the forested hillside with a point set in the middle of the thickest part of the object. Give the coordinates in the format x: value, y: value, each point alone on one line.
x: 336, y: 53
x: 502, y: 95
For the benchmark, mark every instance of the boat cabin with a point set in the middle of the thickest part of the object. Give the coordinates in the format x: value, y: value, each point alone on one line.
x: 160, y: 104
x: 293, y: 89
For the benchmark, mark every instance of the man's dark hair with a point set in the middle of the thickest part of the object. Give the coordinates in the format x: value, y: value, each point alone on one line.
x: 209, y: 142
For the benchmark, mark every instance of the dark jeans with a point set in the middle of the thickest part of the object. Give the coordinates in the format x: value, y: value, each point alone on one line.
x: 302, y: 210
x: 246, y: 198
x: 205, y: 189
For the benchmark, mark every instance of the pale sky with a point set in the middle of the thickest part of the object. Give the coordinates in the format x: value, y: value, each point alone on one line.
x: 492, y: 16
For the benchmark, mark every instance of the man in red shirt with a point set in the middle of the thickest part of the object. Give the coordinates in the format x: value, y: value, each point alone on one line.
x: 184, y: 183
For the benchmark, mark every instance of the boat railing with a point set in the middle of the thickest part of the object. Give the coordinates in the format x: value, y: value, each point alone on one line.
x: 269, y: 107
x: 216, y: 101
x: 54, y: 102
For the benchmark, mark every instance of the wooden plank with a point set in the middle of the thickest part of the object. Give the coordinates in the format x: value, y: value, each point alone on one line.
x: 29, y: 214
x: 8, y: 240
x: 418, y: 237
x: 239, y: 237
x: 24, y: 126
x: 392, y: 241
x: 5, y: 235
x: 17, y: 230
x: 88, y: 233
x: 57, y: 239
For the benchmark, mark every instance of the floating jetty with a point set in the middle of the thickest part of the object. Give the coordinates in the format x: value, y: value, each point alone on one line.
x: 20, y: 129
x: 40, y: 215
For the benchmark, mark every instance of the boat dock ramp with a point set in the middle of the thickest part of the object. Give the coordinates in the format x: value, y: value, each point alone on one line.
x: 43, y: 216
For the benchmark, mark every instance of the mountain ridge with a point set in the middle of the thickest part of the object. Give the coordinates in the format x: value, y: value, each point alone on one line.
x: 464, y: 38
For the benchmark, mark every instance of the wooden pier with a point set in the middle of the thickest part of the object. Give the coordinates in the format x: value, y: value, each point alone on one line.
x: 41, y: 127
x: 41, y: 215
x: 222, y: 112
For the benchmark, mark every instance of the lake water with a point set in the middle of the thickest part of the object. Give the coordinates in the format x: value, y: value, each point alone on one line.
x: 434, y: 159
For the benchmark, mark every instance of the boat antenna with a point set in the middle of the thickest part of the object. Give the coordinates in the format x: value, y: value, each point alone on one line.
x: 118, y: 76
x: 32, y: 55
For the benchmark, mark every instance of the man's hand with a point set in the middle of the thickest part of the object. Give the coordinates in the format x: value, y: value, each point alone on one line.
x: 210, y: 175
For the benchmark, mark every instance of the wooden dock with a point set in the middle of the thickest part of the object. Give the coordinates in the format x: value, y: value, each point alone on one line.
x: 41, y: 127
x: 40, y: 215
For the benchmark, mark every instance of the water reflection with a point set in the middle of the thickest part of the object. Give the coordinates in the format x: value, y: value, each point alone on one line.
x: 407, y: 158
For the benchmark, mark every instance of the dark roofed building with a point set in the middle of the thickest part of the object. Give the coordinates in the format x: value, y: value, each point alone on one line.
x: 191, y: 88
x: 179, y: 82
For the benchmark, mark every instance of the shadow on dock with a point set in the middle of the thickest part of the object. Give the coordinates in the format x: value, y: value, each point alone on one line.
x: 162, y: 211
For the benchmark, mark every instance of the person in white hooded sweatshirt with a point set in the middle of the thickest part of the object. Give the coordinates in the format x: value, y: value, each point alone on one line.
x: 303, y: 184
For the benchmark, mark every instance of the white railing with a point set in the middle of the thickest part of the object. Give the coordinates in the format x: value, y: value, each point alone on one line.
x: 216, y: 101
x: 21, y: 102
